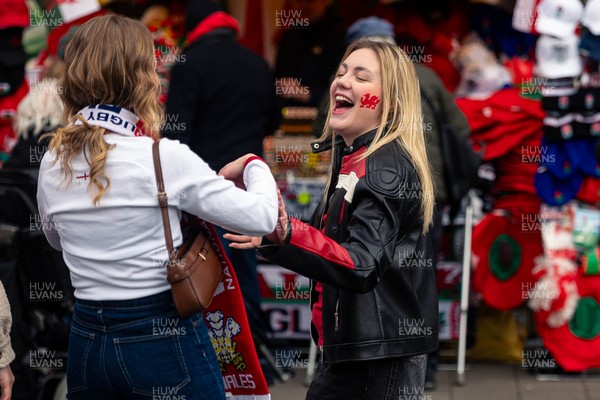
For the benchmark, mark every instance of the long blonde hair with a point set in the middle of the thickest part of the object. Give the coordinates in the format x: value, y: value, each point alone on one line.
x: 401, y: 117
x: 109, y: 60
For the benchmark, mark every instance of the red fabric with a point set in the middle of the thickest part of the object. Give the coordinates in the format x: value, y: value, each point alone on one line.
x: 317, y: 313
x: 235, y: 350
x: 250, y: 159
x: 571, y: 352
x: 311, y: 240
x: 502, y: 122
x: 520, y: 69
x: 407, y: 18
x: 589, y: 192
x: 13, y: 13
x: 504, y: 106
x: 525, y: 203
x: 436, y: 35
x: 253, y: 27
x: 8, y: 111
x: 516, y: 169
x: 504, y: 295
x: 440, y: 48
x: 217, y: 20
x: 354, y: 163
x: 62, y: 29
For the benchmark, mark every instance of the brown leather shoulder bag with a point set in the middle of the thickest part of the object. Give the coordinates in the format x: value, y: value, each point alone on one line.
x: 195, y: 270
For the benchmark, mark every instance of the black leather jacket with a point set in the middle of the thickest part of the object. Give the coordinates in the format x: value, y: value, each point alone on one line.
x: 365, y: 246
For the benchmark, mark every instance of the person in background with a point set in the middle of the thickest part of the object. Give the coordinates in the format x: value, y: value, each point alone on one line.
x: 221, y: 100
x: 13, y: 85
x: 442, y: 100
x: 98, y: 200
x: 222, y: 103
x: 7, y: 355
x: 310, y: 48
x: 39, y: 112
x: 367, y: 249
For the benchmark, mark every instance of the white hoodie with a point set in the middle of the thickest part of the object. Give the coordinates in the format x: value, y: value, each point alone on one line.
x: 116, y: 250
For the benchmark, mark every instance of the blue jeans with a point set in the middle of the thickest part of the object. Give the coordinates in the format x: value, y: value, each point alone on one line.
x: 140, y: 349
x: 386, y: 379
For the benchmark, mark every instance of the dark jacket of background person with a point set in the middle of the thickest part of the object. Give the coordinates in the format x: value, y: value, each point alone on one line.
x: 311, y: 54
x: 433, y: 87
x: 222, y: 100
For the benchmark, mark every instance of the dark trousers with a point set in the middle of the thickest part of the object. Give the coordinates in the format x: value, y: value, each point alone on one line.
x: 393, y: 378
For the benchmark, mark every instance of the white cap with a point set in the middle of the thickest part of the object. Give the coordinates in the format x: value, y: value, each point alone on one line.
x: 591, y: 16
x: 557, y: 57
x: 558, y: 17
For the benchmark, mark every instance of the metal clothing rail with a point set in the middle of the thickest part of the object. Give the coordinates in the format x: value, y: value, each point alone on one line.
x: 464, y: 291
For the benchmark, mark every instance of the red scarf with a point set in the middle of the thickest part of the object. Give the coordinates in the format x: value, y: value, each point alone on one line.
x: 230, y: 334
x: 214, y: 21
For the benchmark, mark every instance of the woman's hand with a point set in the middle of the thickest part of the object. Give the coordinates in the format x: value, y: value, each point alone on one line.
x: 6, y: 382
x: 243, y: 242
x: 234, y: 171
x: 277, y: 237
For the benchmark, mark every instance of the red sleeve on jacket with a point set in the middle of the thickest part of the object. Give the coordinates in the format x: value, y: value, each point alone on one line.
x: 311, y: 240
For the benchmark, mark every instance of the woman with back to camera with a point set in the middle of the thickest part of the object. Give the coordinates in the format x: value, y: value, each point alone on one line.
x: 367, y: 248
x: 97, y: 198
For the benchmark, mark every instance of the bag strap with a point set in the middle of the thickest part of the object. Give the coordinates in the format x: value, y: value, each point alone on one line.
x: 163, y: 201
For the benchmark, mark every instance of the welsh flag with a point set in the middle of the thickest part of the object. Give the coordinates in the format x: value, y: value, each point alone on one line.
x: 230, y: 334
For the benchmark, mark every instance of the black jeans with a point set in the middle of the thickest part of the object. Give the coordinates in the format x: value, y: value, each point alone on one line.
x: 387, y: 379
